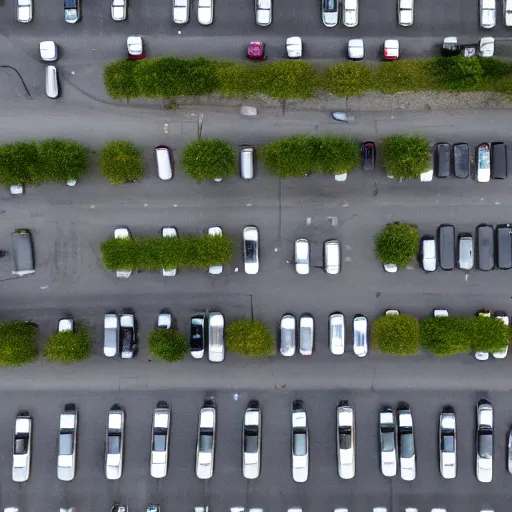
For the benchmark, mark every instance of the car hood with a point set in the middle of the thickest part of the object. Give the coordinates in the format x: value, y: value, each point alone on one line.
x: 251, y: 465
x: 330, y: 18
x: 350, y: 18
x: 158, y: 470
x: 180, y: 13
x: 204, y: 14
x: 408, y: 469
x: 19, y: 474
x: 65, y: 461
x: 300, y: 473
x: 158, y: 457
x: 64, y: 472
x: 448, y: 461
x: 487, y: 18
x: 263, y: 17
x: 114, y: 459
x: 347, y: 466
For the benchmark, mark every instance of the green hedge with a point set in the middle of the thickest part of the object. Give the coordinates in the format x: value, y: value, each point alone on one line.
x: 250, y: 338
x: 348, y: 79
x: 69, y: 347
x: 187, y: 251
x: 167, y: 344
x: 396, y: 334
x: 406, y: 156
x: 207, y: 159
x: 121, y: 161
x: 397, y: 243
x: 17, y: 343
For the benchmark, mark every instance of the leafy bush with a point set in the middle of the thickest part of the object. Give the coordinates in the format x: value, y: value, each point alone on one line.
x: 406, y: 156
x: 199, y: 252
x: 19, y: 163
x: 348, y: 79
x: 457, y: 73
x: 119, y: 80
x: 207, y: 159
x: 167, y: 344
x: 337, y: 155
x: 69, y: 346
x: 396, y: 334
x: 250, y: 338
x: 63, y: 160
x: 403, y: 76
x: 397, y: 243
x: 121, y: 161
x: 488, y: 334
x: 17, y: 343
x: 236, y: 80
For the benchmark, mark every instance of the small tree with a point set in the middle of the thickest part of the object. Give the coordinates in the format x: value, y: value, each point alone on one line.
x: 207, y: 159
x: 396, y: 334
x: 167, y: 344
x: 292, y: 157
x: 337, y: 155
x: 250, y: 338
x: 397, y: 243
x: 121, y: 161
x: 69, y: 346
x: 348, y: 79
x: 62, y: 160
x: 406, y: 156
x: 17, y: 343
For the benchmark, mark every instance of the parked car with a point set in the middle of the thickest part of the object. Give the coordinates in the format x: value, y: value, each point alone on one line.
x: 110, y: 334
x: 164, y: 321
x: 48, y: 51
x: 164, y: 162
x: 114, y: 443
x: 256, y: 50
x: 332, y: 257
x: 387, y: 442
x: 160, y: 430
x: 205, y: 12
x: 24, y: 11
x: 288, y: 335
x: 461, y: 160
x: 499, y: 160
x: 197, y: 336
x: 128, y: 336
x: 442, y: 162
x: 428, y: 254
x: 123, y: 234
x: 368, y: 155
x: 263, y: 10
x: 447, y: 444
x: 330, y: 12
x: 302, y: 256
x: 300, y: 442
x: 345, y: 441
x: 180, y: 11
x: 344, y: 117
x: 118, y: 10
x: 135, y: 46
x: 23, y: 263
x: 504, y: 246
x: 355, y: 49
x: 486, y: 47
x: 501, y: 315
x: 482, y: 356
x: 390, y: 268
x: 466, y: 254
x: 251, y: 441
x: 405, y: 12
x: 66, y: 457
x: 246, y: 162
x: 72, y: 11
x: 251, y: 250
x: 392, y: 312
x: 484, y: 441
x: 483, y: 163
x: 485, y: 246
x: 450, y: 47
x: 22, y: 447
x: 507, y: 12
x: 446, y: 237
x: 440, y: 312
x: 294, y: 47
x: 215, y: 269
x: 215, y: 337
x: 350, y: 13
x: 205, y: 450
x: 306, y: 334
x: 360, y: 328
x: 406, y: 444
x: 169, y: 232
x: 52, y: 82
x: 391, y: 49
x: 487, y: 13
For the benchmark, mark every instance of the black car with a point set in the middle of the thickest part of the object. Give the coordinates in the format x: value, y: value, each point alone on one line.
x: 504, y: 246
x: 127, y: 335
x: 368, y: 155
x: 446, y: 246
x: 461, y: 160
x: 498, y: 160
x: 197, y: 335
x: 485, y: 246
x: 442, y: 160
x: 72, y: 12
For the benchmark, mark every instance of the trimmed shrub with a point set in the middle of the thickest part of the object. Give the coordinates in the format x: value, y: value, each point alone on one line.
x: 250, y: 338
x: 63, y: 160
x: 199, y: 252
x: 69, y: 346
x: 403, y: 76
x: 397, y: 243
x: 488, y: 334
x: 119, y: 80
x: 406, y: 156
x: 236, y: 80
x: 207, y: 159
x: 121, y: 161
x: 457, y: 73
x: 167, y: 344
x: 292, y: 157
x: 17, y: 343
x: 445, y: 336
x: 337, y: 155
x: 19, y: 163
x: 396, y: 334
x: 348, y: 79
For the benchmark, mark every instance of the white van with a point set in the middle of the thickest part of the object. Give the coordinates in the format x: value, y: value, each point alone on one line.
x: 332, y: 257
x: 52, y: 82
x: 247, y: 162
x: 216, y: 337
x: 429, y: 254
x: 164, y: 162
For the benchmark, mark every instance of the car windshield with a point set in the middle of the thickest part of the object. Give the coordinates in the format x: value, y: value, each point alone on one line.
x: 485, y: 445
x: 206, y: 442
x: 448, y: 443
x: 159, y: 442
x: 66, y: 444
x: 388, y: 441
x: 70, y: 4
x: 345, y: 439
x: 251, y: 440
x: 20, y: 445
x: 114, y: 443
x: 127, y: 339
x: 330, y: 5
x: 250, y: 250
x: 406, y: 446
x: 299, y: 443
x: 484, y: 158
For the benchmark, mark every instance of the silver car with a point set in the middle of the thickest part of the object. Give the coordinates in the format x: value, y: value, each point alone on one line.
x: 302, y: 256
x: 350, y: 14
x: 66, y: 458
x: 345, y: 441
x: 24, y: 11
x: 406, y: 444
x: 251, y: 441
x: 306, y: 334
x: 263, y: 9
x: 484, y: 441
x: 487, y: 13
x: 288, y: 335
x: 466, y: 259
x: 160, y: 430
x: 205, y: 12
x: 205, y: 450
x: 118, y: 10
x: 22, y: 447
x: 447, y: 444
x: 387, y: 442
x: 114, y: 443
x: 110, y: 334
x: 337, y: 333
x: 300, y: 443
x: 330, y: 12
x: 251, y: 250
x: 360, y: 327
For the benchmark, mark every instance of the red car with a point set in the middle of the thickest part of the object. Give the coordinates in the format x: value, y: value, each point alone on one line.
x: 256, y: 51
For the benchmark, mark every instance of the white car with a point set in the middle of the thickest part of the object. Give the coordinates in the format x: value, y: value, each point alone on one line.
x: 17, y: 190
x: 447, y: 445
x: 387, y: 442
x: 48, y: 51
x: 486, y: 48
x: 330, y: 12
x: 427, y: 176
x: 406, y: 445
x: 118, y: 10
x: 507, y: 14
x: 22, y: 449
x: 345, y: 441
x: 360, y: 328
x: 263, y: 10
x: 391, y: 52
x: 440, y: 312
x: 392, y: 312
x: 300, y: 443
x: 24, y: 11
x: 482, y: 356
x: 135, y: 46
x: 251, y: 250
x: 483, y: 163
x: 350, y: 13
x: 169, y: 232
x: 405, y: 12
x: 306, y: 334
x: 180, y: 11
x: 164, y: 321
x: 215, y: 269
x: 287, y: 336
x: 66, y: 458
x: 355, y: 49
x: 337, y: 334
x: 205, y: 451
x: 484, y: 441
x: 251, y: 441
x: 509, y: 454
x: 487, y: 13
x: 110, y: 334
x: 429, y: 254
x: 66, y: 325
x: 123, y: 234
x: 504, y: 318
x: 160, y: 430
x: 390, y: 267
x: 302, y: 256
x: 205, y: 12
x: 114, y: 444
x: 294, y: 47
x: 341, y: 177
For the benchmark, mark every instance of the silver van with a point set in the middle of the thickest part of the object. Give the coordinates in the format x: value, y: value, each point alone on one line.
x: 22, y: 253
x: 216, y: 337
x: 466, y: 257
x: 164, y: 162
x: 247, y: 162
x: 52, y: 82
x: 332, y: 257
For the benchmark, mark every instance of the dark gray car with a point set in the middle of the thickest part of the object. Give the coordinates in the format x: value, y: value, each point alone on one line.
x: 504, y: 246
x: 442, y: 160
x: 461, y: 160
x: 485, y: 246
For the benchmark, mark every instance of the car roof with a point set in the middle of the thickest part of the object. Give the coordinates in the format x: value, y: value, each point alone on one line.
x: 207, y: 417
